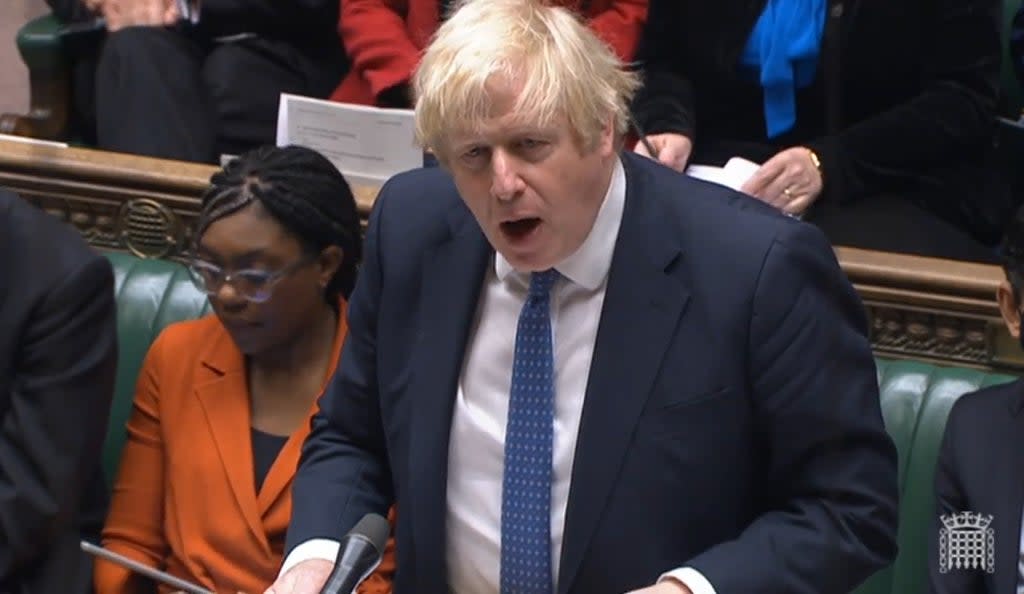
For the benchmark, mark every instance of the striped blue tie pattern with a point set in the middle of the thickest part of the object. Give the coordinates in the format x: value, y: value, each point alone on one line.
x: 526, y: 485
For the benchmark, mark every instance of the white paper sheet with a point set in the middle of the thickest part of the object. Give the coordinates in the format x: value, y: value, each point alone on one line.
x: 733, y: 175
x: 367, y: 144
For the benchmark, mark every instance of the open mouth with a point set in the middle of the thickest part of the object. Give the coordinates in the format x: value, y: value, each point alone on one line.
x: 520, y: 228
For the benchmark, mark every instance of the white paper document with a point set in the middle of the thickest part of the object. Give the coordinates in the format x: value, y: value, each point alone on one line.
x: 367, y: 144
x: 733, y: 175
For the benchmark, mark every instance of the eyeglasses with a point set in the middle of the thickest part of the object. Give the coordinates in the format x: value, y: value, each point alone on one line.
x: 252, y: 284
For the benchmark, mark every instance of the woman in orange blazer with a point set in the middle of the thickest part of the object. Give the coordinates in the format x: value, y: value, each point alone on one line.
x: 384, y: 38
x: 223, y: 403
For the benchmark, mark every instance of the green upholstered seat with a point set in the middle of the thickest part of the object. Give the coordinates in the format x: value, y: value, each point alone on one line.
x: 916, y: 399
x: 150, y: 295
x: 39, y: 44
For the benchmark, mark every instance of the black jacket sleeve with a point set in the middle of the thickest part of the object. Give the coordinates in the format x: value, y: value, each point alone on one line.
x: 52, y: 433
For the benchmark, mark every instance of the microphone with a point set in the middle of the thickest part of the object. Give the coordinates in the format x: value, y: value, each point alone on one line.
x: 359, y: 554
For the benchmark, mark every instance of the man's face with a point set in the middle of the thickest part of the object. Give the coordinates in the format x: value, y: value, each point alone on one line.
x: 533, y: 189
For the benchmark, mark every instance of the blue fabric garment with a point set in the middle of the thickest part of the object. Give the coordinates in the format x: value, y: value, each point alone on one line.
x: 783, y: 50
x: 529, y: 435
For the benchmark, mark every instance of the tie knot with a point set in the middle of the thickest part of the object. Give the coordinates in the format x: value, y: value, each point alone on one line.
x: 541, y: 282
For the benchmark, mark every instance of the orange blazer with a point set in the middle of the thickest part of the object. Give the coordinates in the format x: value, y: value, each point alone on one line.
x: 384, y: 38
x: 185, y: 499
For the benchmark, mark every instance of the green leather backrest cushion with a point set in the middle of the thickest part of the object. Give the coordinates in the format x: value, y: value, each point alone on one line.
x: 916, y: 398
x: 39, y: 44
x: 150, y: 295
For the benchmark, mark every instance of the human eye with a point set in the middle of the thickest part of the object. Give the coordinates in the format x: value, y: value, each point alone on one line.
x: 253, y: 278
x: 531, y: 146
x: 473, y: 155
x: 206, y: 270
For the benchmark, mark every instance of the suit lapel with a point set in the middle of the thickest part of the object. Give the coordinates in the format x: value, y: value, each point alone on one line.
x: 225, y: 403
x: 643, y: 303
x: 453, y: 274
x: 1009, y: 482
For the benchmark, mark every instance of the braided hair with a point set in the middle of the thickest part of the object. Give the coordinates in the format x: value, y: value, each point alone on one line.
x: 303, y: 191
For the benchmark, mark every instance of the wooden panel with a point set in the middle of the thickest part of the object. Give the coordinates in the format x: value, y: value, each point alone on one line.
x: 927, y: 308
x: 921, y: 308
x: 121, y: 202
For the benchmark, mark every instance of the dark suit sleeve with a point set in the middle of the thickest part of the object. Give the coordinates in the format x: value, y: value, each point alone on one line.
x: 50, y: 438
x: 953, y: 115
x: 949, y: 499
x: 830, y: 488
x: 343, y: 472
x: 665, y: 102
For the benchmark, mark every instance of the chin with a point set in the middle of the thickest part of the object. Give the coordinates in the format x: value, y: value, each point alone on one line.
x: 528, y: 263
x: 249, y: 345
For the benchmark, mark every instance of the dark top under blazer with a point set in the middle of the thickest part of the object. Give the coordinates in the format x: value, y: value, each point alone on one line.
x: 731, y: 420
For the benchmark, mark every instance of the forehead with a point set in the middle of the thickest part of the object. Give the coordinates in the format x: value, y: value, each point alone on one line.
x: 248, y: 231
x: 505, y: 107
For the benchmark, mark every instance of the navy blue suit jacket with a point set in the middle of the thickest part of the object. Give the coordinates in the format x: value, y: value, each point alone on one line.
x: 731, y: 421
x: 980, y: 469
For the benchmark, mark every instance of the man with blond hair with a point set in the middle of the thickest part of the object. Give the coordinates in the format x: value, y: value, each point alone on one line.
x: 576, y: 371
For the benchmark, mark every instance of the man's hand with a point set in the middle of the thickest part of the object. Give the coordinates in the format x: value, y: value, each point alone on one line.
x: 673, y: 149
x: 307, y: 577
x: 788, y: 181
x: 669, y: 586
x: 120, y: 14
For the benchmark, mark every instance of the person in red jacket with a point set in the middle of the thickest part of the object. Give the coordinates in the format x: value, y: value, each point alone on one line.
x: 384, y: 38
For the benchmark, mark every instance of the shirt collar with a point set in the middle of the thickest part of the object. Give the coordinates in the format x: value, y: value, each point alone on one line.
x: 588, y: 266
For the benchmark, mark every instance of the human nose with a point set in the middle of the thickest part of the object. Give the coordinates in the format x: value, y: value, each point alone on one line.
x: 506, y: 182
x: 226, y: 292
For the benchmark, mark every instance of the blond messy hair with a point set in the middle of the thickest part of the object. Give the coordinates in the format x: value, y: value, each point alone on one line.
x: 559, y: 65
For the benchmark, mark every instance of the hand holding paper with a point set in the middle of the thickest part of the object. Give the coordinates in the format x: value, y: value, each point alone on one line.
x: 789, y: 181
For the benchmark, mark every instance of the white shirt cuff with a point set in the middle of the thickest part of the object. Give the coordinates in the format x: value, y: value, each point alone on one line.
x: 314, y: 548
x: 690, y: 577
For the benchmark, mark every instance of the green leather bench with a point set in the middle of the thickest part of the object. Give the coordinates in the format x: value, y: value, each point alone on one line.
x: 916, y: 398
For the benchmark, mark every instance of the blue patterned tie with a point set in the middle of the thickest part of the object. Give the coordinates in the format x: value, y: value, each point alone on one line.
x: 526, y: 487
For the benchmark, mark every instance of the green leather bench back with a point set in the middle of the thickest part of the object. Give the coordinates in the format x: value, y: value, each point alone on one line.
x: 916, y: 398
x: 150, y: 295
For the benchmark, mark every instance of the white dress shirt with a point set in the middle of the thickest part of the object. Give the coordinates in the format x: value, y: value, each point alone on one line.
x: 477, y: 440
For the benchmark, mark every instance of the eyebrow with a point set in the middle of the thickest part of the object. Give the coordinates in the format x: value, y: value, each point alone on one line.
x: 250, y: 255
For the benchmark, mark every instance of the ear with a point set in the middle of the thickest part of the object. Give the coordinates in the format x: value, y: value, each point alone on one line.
x: 1009, y: 308
x: 329, y: 262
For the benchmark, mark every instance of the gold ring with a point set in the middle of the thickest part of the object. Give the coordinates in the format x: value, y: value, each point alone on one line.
x: 788, y: 192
